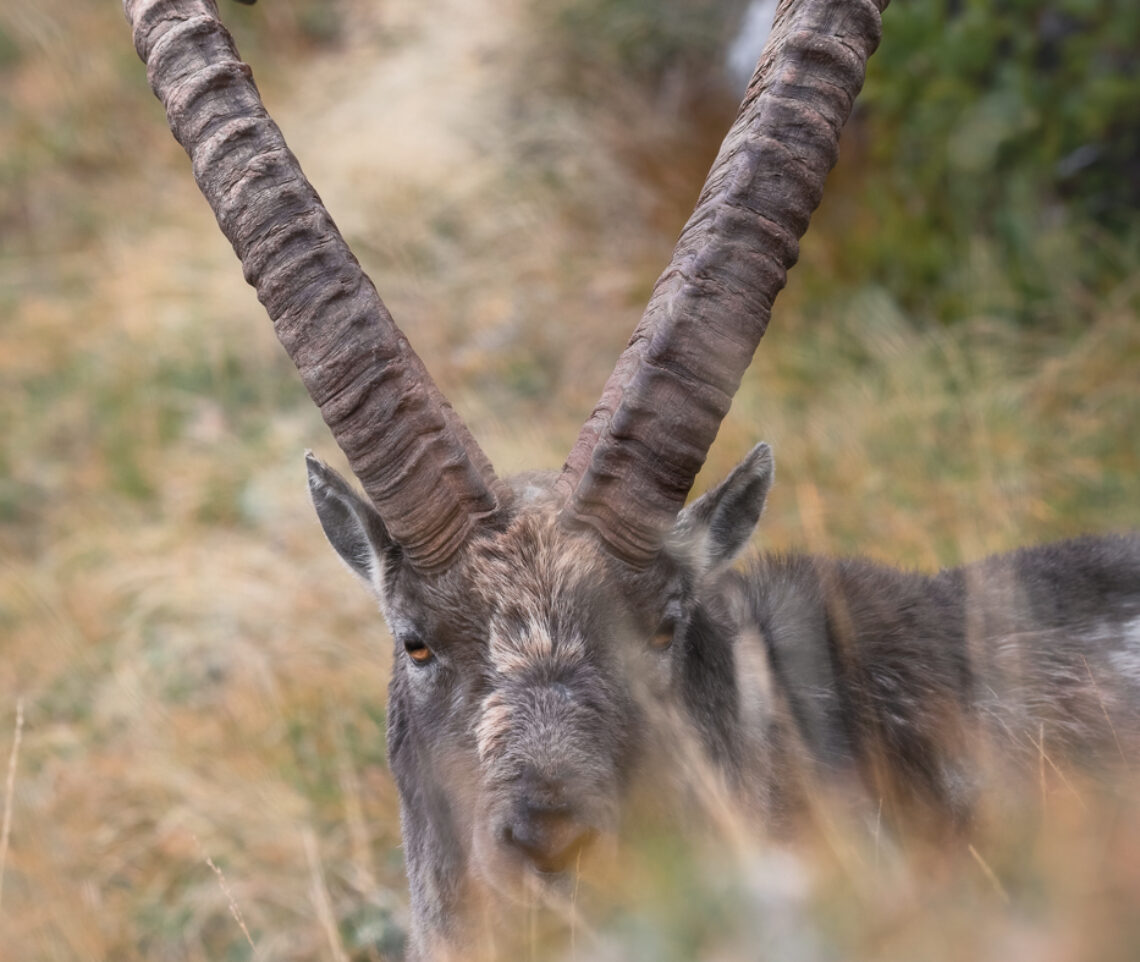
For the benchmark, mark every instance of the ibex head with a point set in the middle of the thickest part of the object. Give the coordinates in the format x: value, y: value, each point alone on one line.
x: 534, y: 679
x: 535, y: 622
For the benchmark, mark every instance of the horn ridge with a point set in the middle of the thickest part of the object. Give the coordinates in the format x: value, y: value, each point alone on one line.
x: 637, y: 455
x: 417, y: 461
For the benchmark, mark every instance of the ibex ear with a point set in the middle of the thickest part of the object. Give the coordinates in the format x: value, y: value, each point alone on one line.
x: 720, y: 522
x: 350, y: 522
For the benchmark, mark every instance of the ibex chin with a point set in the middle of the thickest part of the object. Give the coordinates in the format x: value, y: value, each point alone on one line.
x: 559, y: 638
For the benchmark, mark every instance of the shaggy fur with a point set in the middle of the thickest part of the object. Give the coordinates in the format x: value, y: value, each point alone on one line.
x: 552, y: 683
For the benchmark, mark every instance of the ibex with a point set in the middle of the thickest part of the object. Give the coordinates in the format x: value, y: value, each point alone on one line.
x: 557, y: 636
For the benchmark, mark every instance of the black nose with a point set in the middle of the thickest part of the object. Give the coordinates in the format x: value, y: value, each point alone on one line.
x: 549, y: 836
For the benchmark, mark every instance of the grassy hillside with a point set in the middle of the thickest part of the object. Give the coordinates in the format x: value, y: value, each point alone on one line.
x: 202, y: 685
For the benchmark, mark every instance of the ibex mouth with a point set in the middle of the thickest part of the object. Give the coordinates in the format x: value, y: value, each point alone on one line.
x: 540, y: 857
x: 549, y: 842
x: 551, y: 866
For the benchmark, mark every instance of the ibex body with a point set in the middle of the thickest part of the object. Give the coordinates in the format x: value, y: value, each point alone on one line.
x: 541, y: 684
x: 564, y: 642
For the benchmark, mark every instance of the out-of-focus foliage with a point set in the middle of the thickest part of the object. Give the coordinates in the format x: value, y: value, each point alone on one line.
x: 1001, y: 139
x: 649, y: 42
x: 994, y: 165
x: 64, y: 78
x: 1050, y: 88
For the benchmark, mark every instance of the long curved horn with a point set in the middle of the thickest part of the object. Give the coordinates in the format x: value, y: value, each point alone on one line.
x: 639, y: 452
x: 418, y: 463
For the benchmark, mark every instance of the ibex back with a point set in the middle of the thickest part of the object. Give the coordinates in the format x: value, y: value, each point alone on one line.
x: 563, y: 641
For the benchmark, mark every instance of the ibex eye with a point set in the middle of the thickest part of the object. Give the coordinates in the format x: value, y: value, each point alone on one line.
x: 663, y: 637
x: 420, y: 653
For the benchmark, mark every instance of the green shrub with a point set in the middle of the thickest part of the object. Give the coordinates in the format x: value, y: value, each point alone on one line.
x: 1007, y: 131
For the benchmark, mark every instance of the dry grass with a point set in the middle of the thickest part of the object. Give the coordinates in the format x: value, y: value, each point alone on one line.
x: 9, y: 789
x: 204, y: 686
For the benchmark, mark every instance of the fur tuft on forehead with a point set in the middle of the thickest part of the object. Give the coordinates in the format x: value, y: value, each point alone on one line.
x: 536, y: 564
x: 523, y: 642
x: 533, y: 577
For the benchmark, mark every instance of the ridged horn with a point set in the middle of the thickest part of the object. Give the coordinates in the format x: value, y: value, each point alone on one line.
x: 637, y: 455
x: 417, y: 461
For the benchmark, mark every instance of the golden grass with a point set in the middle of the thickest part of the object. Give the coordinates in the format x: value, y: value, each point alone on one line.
x: 9, y: 789
x: 203, y: 684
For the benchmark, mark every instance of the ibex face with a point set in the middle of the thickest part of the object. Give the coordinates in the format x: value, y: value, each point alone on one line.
x: 534, y: 680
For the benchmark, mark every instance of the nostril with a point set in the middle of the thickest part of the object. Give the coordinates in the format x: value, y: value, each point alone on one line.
x: 552, y: 843
x: 524, y: 835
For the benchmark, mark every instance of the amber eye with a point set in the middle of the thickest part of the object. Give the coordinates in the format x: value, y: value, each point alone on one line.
x: 420, y: 653
x: 663, y: 637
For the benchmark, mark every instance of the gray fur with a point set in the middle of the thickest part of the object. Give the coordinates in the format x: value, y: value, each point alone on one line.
x: 554, y: 694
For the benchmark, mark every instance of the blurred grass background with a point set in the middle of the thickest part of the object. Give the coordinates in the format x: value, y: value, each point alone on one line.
x: 952, y: 371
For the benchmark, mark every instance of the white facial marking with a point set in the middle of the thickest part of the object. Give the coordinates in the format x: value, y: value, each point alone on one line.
x: 514, y: 648
x: 494, y: 724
